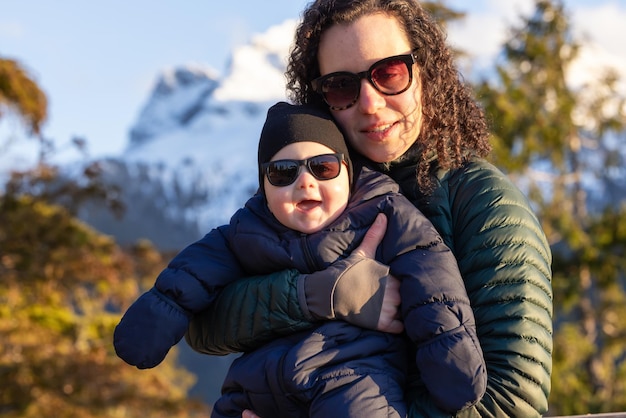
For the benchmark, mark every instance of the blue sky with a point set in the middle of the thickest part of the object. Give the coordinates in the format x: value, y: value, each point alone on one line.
x: 97, y: 60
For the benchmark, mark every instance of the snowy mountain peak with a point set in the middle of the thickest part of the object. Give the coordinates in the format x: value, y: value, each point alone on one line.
x: 257, y: 70
x: 177, y: 97
x: 185, y: 95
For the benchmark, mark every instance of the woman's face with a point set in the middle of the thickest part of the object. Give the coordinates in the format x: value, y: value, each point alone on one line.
x: 378, y: 126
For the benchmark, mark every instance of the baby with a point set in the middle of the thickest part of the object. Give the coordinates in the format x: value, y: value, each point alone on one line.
x: 312, y: 210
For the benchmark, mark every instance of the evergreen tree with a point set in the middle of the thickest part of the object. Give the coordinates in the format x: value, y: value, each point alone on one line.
x: 559, y: 142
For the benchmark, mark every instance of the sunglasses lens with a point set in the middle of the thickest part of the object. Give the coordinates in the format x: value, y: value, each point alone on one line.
x: 282, y: 173
x: 341, y: 90
x: 391, y: 77
x: 325, y: 167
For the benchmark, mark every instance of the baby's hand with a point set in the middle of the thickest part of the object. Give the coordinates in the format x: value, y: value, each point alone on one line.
x: 147, y: 331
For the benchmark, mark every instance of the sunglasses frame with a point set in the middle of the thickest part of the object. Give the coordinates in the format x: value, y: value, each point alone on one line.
x: 302, y: 163
x: 407, y: 59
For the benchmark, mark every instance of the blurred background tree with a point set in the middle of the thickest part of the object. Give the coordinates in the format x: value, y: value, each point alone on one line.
x: 62, y: 289
x: 21, y: 96
x: 560, y: 142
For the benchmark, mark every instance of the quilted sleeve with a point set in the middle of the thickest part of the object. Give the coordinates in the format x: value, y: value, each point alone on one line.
x: 194, y: 277
x: 158, y: 319
x: 252, y: 311
x: 435, y: 308
x: 249, y: 313
x: 505, y: 262
x: 439, y: 320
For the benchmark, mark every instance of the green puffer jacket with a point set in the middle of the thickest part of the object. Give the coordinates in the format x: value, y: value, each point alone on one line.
x: 504, y: 259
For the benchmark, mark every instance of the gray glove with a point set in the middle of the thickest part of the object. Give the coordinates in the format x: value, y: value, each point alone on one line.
x: 351, y: 289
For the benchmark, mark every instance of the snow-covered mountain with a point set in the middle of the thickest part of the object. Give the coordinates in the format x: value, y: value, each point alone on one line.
x: 190, y: 162
x: 203, y: 130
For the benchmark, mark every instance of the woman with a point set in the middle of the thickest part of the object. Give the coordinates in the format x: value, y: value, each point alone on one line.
x: 383, y: 69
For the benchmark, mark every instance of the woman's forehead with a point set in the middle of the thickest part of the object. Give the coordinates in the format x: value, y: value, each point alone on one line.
x: 356, y: 45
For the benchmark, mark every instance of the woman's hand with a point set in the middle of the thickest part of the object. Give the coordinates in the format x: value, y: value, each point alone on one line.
x: 249, y: 414
x: 389, y: 315
x: 357, y: 289
x: 390, y: 320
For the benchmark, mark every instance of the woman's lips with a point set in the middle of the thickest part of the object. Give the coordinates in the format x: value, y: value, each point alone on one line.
x: 378, y: 132
x: 379, y: 128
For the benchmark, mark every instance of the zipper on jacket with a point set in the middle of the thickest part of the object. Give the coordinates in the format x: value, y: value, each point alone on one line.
x: 308, y: 255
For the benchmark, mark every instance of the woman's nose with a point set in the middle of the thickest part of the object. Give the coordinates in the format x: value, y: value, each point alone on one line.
x: 370, y: 99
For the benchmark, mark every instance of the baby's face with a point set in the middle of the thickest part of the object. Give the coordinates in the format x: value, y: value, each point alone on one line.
x: 308, y: 204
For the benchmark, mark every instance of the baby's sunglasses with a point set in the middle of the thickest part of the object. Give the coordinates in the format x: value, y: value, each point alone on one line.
x: 389, y: 76
x: 281, y: 173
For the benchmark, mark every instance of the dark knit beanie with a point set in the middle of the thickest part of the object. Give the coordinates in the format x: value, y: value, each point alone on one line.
x: 286, y: 124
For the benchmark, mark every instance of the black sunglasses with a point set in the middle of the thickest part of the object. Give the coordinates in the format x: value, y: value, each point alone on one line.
x: 282, y: 173
x: 389, y: 76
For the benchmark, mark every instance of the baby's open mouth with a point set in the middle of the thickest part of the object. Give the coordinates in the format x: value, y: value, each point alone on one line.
x: 308, y: 204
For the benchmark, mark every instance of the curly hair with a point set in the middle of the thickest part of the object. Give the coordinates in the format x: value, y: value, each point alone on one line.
x: 454, y: 126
